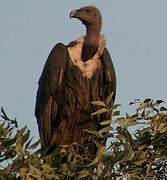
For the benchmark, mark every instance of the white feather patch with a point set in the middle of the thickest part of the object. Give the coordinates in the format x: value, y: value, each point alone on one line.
x: 89, y: 67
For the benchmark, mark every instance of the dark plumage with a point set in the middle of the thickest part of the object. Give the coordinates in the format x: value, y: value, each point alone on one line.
x: 73, y: 77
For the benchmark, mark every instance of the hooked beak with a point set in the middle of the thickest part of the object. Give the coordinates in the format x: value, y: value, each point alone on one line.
x: 73, y: 13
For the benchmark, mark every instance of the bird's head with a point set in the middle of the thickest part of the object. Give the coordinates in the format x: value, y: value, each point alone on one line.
x: 89, y: 16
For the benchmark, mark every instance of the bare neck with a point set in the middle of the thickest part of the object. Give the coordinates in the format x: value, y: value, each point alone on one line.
x: 91, y: 42
x: 92, y: 35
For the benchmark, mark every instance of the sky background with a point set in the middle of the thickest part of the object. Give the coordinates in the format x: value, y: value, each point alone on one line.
x: 135, y: 32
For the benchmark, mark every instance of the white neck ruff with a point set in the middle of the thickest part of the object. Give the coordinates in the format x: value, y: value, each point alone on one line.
x: 89, y: 67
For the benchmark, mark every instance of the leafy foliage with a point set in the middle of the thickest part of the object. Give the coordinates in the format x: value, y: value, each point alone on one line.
x: 137, y: 148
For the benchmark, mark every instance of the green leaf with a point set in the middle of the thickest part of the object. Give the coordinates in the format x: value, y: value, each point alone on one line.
x: 162, y: 127
x: 17, y: 164
x: 14, y: 122
x: 51, y: 177
x: 21, y: 131
x: 9, y: 142
x: 131, y: 121
x: 105, y: 130
x: 4, y: 116
x: 107, y: 122
x: 98, y: 103
x: 83, y: 174
x: 100, y: 111
x: 28, y: 143
x: 26, y: 136
x: 120, y: 121
x: 34, y: 160
x: 95, y: 133
x: 148, y: 100
x: 109, y: 135
x: 143, y: 106
x: 109, y: 98
x: 35, y: 173
x: 116, y: 113
x: 48, y: 169
x: 95, y: 161
x: 102, y: 151
x: 23, y: 172
x: 33, y: 146
x: 19, y: 147
x: 159, y: 102
x: 115, y: 106
x: 126, y: 155
x: 135, y: 101
x: 163, y: 109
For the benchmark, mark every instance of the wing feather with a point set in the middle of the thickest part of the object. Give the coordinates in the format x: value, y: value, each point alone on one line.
x: 109, y: 76
x: 49, y: 91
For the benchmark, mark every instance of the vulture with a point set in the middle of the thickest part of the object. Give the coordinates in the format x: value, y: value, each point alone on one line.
x: 73, y: 76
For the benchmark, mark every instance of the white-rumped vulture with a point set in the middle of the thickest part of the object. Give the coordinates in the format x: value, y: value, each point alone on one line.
x: 74, y: 75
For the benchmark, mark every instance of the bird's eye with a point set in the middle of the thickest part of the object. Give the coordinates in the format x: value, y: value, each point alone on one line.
x: 95, y: 15
x: 87, y: 10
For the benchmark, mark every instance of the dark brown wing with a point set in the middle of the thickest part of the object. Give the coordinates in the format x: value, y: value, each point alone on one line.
x: 49, y: 92
x: 109, y: 76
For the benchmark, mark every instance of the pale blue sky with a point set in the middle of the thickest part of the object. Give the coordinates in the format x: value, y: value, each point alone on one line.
x: 135, y: 32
